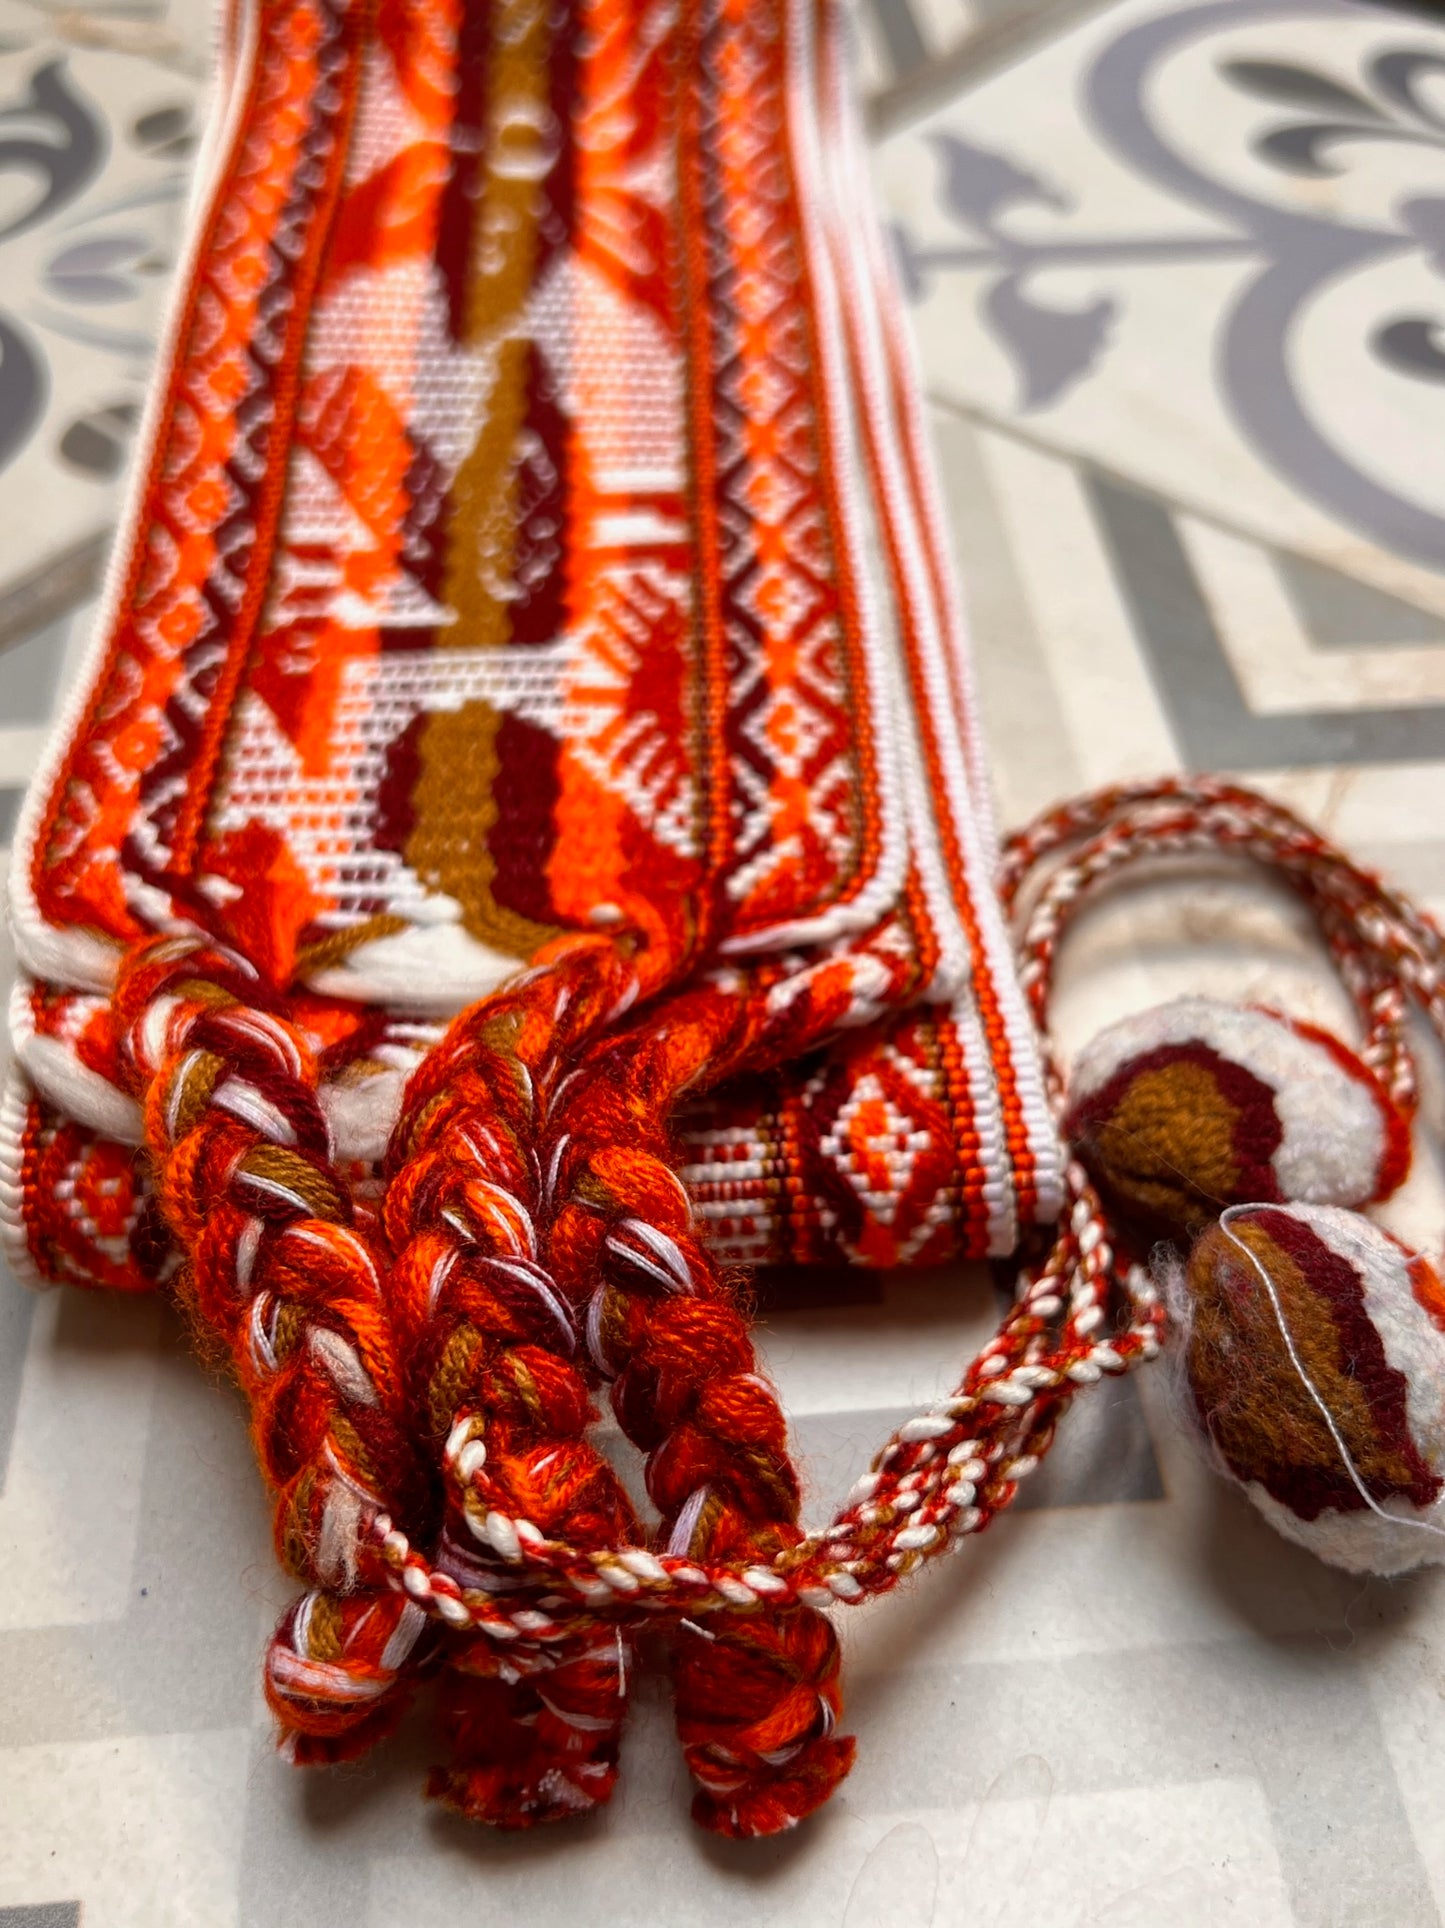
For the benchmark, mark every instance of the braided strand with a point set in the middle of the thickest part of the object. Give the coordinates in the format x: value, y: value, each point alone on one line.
x: 757, y: 1696
x: 488, y: 1351
x: 283, y: 1276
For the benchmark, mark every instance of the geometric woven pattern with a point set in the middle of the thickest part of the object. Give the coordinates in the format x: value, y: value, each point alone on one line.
x: 498, y: 570
x: 1246, y: 1732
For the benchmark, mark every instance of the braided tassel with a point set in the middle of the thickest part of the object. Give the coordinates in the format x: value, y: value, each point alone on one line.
x: 284, y: 1274
x: 488, y: 1352
x: 281, y: 1275
x: 502, y: 1252
x: 757, y: 1692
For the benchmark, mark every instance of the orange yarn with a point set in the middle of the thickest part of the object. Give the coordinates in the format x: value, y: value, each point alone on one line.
x: 284, y: 1275
x: 419, y: 1377
x: 526, y: 1207
x: 563, y: 620
x: 523, y: 1203
x: 757, y: 1698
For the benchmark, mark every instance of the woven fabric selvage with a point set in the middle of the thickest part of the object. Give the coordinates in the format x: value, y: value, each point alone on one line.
x: 531, y: 562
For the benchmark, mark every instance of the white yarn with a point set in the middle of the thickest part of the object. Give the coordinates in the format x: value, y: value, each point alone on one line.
x: 1333, y: 1142
x: 1380, y: 1541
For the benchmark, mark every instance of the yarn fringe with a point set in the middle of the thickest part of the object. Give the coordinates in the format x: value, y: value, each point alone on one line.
x: 419, y: 1378
x: 420, y: 1370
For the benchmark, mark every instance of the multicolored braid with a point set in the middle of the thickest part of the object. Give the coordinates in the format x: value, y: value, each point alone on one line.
x: 757, y: 1695
x: 489, y: 1351
x: 282, y: 1276
x: 757, y: 1692
x: 478, y: 1328
x: 943, y: 1474
x: 490, y: 1173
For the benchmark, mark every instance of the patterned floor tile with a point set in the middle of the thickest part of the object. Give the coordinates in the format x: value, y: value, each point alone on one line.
x: 1192, y: 244
x: 95, y: 143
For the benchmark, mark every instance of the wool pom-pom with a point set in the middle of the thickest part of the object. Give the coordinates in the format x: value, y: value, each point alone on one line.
x: 1313, y: 1349
x: 1197, y: 1105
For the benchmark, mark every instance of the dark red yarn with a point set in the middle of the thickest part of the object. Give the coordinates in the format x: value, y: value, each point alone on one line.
x: 532, y: 1205
x: 1296, y: 1477
x: 523, y: 1182
x: 341, y: 1337
x: 342, y: 1665
x: 757, y: 1695
x: 484, y: 1335
x: 288, y: 1307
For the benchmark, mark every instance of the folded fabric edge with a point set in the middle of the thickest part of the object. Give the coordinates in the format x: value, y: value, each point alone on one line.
x: 868, y: 1157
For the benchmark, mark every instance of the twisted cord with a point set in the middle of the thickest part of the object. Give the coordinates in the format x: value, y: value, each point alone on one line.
x: 1383, y: 919
x: 530, y: 1205
x: 943, y: 1474
x: 946, y: 1472
x: 1387, y: 950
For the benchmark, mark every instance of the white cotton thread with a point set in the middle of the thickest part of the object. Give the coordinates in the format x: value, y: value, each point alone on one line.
x: 1395, y: 1519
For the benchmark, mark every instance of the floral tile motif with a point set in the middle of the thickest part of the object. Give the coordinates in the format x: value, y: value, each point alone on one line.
x: 903, y: 44
x: 1202, y: 245
x: 95, y: 148
x: 1178, y: 279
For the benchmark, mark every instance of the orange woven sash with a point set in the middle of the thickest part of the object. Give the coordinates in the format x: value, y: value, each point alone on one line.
x: 523, y: 839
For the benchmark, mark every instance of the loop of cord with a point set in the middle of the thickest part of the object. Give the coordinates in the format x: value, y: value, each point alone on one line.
x: 579, y: 1196
x: 941, y: 1475
x: 658, y: 1321
x: 1071, y: 1324
x: 1389, y: 953
x: 534, y: 1210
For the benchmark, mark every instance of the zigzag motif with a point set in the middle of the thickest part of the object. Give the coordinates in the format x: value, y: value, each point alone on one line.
x: 585, y: 287
x: 189, y: 567
x: 797, y: 835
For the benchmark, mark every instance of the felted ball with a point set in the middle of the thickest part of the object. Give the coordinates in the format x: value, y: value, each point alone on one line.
x: 1313, y: 1348
x: 1198, y: 1105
